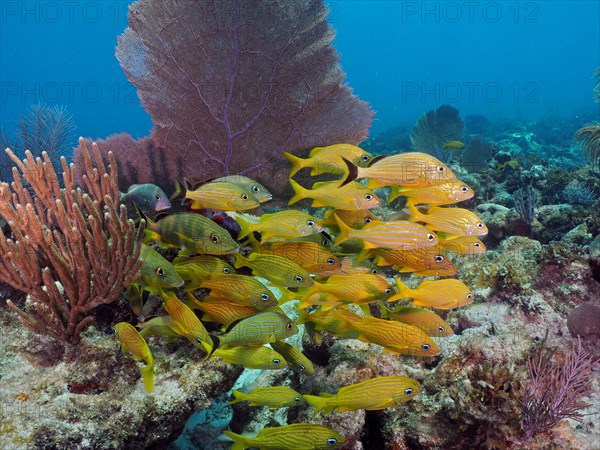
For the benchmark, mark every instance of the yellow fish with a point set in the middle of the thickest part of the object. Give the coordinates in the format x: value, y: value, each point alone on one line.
x: 392, y: 336
x: 351, y: 266
x: 192, y: 233
x: 404, y: 169
x: 222, y: 310
x: 425, y: 262
x: 187, y: 324
x: 256, y: 357
x: 352, y: 196
x: 132, y: 341
x: 273, y: 396
x: 199, y: 268
x: 156, y: 271
x: 298, y: 436
x: 260, y: 192
x: 359, y: 288
x: 371, y: 395
x: 158, y: 326
x: 294, y: 358
x: 440, y: 294
x: 281, y: 225
x: 454, y: 222
x: 222, y: 196
x: 438, y: 194
x: 400, y: 234
x: 428, y: 321
x: 328, y: 159
x: 454, y: 145
x: 464, y: 245
x: 311, y: 256
x: 262, y: 328
x: 277, y: 269
x: 241, y: 289
x: 324, y: 320
x: 354, y: 219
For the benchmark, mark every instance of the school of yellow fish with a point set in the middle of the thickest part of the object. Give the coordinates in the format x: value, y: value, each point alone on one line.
x: 334, y: 283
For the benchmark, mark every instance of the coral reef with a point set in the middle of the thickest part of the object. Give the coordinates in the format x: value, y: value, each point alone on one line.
x: 91, y: 396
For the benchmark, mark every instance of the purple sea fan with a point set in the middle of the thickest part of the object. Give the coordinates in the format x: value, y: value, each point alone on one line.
x: 555, y: 389
x: 231, y: 84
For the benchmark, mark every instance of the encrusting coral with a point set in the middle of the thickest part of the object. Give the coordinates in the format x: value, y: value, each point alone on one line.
x: 78, y: 237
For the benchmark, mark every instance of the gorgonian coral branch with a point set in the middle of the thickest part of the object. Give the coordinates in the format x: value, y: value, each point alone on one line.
x: 555, y: 389
x: 71, y: 249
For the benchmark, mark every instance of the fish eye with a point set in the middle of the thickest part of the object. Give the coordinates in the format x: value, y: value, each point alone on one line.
x: 479, y: 225
x: 441, y: 329
x: 374, y: 271
x: 324, y: 242
x: 226, y: 270
x: 301, y: 367
x: 438, y: 258
x: 430, y: 237
x: 330, y: 261
x: 477, y: 244
x: 408, y: 391
x: 368, y: 197
x: 464, y: 189
x: 199, y: 341
x: 289, y: 325
x: 310, y: 223
x: 297, y: 399
x: 388, y: 291
x: 298, y: 279
x: 244, y: 197
x: 264, y: 297
x: 331, y: 441
x: 276, y: 361
x: 364, y: 158
x: 441, y: 168
x: 157, y: 197
x: 368, y: 220
x: 469, y: 296
x: 425, y: 347
x: 255, y: 189
x: 160, y: 271
x: 214, y: 238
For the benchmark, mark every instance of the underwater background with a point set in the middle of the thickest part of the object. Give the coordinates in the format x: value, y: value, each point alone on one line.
x: 505, y: 94
x: 504, y: 60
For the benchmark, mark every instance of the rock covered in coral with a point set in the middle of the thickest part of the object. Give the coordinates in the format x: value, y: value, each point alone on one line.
x: 92, y: 396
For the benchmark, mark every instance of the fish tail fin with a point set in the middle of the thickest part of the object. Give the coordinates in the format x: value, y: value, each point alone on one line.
x: 352, y: 172
x: 239, y: 397
x: 414, y: 214
x: 403, y: 291
x: 245, y: 227
x: 239, y: 442
x: 239, y: 261
x: 182, y: 185
x: 297, y: 163
x: 319, y: 403
x: 395, y: 192
x: 216, y: 342
x: 149, y: 235
x: 344, y: 231
x: 300, y: 192
x: 148, y: 377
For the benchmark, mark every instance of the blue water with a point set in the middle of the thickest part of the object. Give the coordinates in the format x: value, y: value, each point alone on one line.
x: 501, y: 59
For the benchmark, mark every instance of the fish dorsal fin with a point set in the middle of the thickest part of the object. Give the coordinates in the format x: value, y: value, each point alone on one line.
x: 326, y: 395
x: 376, y: 159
